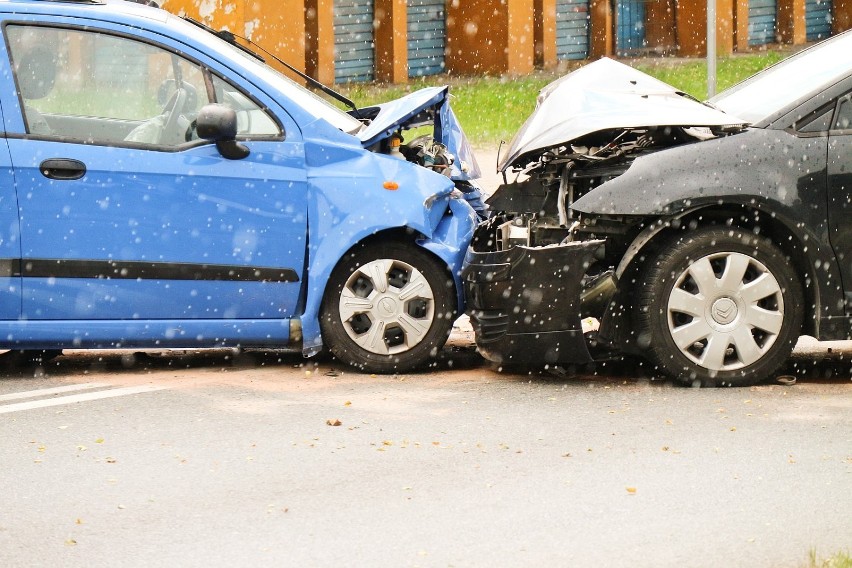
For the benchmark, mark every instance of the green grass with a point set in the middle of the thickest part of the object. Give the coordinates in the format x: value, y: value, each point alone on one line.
x: 691, y: 76
x: 838, y: 560
x: 493, y: 108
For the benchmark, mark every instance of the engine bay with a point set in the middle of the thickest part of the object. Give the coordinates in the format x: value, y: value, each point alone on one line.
x: 535, y: 208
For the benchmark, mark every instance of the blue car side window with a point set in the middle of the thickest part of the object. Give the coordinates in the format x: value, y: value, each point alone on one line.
x: 97, y: 88
x: 252, y: 120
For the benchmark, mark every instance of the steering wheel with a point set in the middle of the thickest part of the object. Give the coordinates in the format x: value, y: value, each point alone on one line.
x: 172, y: 112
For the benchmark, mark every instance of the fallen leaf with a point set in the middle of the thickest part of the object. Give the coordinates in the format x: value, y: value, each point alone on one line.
x: 70, y: 542
x: 347, y: 403
x: 631, y: 490
x: 99, y: 441
x: 79, y: 521
x: 334, y: 422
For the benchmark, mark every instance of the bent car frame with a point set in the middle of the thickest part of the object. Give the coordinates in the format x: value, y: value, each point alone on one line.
x: 705, y: 237
x: 167, y: 188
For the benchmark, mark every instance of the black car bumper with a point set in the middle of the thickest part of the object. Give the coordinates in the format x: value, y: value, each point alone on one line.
x: 524, y: 303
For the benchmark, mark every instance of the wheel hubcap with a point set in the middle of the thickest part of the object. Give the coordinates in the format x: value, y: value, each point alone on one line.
x: 725, y: 311
x: 387, y: 306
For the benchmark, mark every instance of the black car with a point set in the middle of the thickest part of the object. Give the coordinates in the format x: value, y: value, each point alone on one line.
x: 704, y: 237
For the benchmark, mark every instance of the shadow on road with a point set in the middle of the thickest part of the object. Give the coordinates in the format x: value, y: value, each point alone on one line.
x: 834, y: 368
x: 82, y: 362
x: 828, y: 369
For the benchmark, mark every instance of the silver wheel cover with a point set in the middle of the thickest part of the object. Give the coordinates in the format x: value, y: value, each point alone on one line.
x: 387, y: 306
x: 725, y: 311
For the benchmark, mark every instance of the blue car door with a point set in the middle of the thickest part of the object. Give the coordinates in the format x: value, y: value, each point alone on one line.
x: 124, y: 213
x: 10, y: 246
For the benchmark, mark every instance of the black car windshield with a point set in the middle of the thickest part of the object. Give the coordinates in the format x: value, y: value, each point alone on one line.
x: 772, y: 90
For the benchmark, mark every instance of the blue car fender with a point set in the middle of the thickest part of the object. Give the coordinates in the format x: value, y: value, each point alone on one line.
x: 353, y: 194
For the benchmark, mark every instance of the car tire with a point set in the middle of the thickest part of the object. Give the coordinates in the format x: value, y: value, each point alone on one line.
x: 719, y: 307
x: 388, y: 307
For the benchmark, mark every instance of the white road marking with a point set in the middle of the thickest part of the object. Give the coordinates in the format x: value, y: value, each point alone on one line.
x: 71, y: 399
x: 55, y: 390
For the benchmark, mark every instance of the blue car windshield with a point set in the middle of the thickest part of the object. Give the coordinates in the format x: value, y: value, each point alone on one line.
x: 774, y: 89
x: 307, y: 100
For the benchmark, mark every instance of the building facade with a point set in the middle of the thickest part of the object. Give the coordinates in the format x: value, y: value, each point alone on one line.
x: 339, y: 41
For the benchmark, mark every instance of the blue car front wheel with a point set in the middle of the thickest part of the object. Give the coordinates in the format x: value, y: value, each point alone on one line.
x: 389, y: 307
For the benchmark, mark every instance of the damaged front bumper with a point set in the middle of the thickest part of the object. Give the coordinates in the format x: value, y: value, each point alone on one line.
x: 525, y: 303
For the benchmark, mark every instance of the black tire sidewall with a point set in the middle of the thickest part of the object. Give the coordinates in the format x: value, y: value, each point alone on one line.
x: 444, y: 298
x: 668, y: 265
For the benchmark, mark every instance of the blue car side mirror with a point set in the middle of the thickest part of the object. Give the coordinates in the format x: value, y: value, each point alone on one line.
x: 218, y: 123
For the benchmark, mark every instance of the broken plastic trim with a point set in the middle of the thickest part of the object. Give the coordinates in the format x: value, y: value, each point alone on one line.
x: 524, y: 303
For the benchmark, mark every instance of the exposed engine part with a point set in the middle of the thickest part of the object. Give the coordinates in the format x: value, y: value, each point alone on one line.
x: 426, y: 152
x: 544, y: 189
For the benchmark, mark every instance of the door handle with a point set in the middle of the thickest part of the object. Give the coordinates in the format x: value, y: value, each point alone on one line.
x: 62, y: 168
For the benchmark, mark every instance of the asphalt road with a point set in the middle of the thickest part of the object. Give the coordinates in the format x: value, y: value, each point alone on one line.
x: 217, y: 459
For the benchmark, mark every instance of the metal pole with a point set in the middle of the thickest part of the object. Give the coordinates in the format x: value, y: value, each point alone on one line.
x: 711, y: 48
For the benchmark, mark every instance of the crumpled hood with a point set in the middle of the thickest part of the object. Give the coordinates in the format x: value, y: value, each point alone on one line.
x: 400, y: 112
x: 603, y: 95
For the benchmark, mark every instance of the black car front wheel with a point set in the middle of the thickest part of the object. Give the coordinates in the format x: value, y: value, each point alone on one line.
x: 719, y: 307
x: 389, y: 307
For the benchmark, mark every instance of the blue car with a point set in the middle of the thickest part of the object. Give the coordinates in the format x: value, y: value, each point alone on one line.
x: 165, y: 188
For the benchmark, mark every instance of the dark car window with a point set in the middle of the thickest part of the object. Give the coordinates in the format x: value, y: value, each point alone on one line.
x: 844, y: 115
x: 818, y: 121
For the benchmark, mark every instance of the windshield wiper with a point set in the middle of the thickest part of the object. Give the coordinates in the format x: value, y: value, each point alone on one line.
x: 232, y: 38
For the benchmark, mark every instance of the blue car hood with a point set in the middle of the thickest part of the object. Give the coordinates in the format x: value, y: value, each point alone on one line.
x: 429, y: 105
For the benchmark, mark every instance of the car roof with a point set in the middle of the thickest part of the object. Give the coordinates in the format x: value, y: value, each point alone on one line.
x: 120, y: 11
